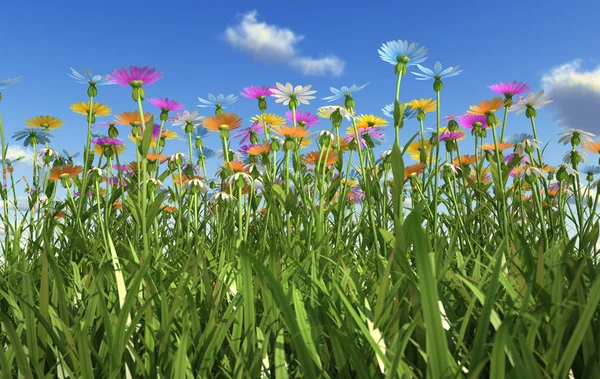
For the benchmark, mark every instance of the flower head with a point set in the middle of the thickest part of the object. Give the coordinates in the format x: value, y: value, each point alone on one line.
x: 579, y: 136
x: 255, y: 92
x: 437, y: 73
x: 423, y: 105
x: 343, y: 92
x: 486, y: 106
x: 186, y: 118
x: 305, y: 119
x: 229, y: 120
x: 166, y: 104
x: 89, y: 78
x: 247, y: 133
x: 413, y: 169
x: 65, y: 172
x: 136, y: 76
x: 370, y: 121
x: 398, y: 51
x: 468, y: 121
x: 128, y: 118
x: 533, y: 100
x: 32, y: 136
x: 453, y: 136
x: 312, y: 158
x: 409, y: 112
x: 219, y: 101
x: 268, y: 119
x: 326, y: 111
x: 290, y: 131
x: 292, y: 95
x: 501, y: 146
x: 510, y: 89
x: 108, y: 146
x: 98, y: 109
x: 44, y: 122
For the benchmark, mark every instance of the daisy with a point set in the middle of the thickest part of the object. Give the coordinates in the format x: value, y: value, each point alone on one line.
x: 248, y: 133
x: 292, y: 96
x: 220, y: 101
x: 468, y: 121
x: 576, y: 137
x: 369, y: 120
x: 312, y: 158
x: 423, y: 105
x: 486, y: 106
x: 108, y: 146
x: 165, y: 104
x: 32, y: 136
x: 257, y: 92
x: 510, y: 89
x: 268, y: 119
x: 136, y: 77
x: 305, y: 119
x: 98, y: 109
x: 131, y: 118
x: 65, y: 172
x: 326, y: 111
x: 533, y: 102
x: 227, y: 121
x: 409, y: 112
x: 187, y: 118
x: 399, y: 51
x: 89, y: 78
x: 44, y: 122
x: 413, y: 169
x: 437, y: 73
x: 343, y: 92
x: 290, y: 131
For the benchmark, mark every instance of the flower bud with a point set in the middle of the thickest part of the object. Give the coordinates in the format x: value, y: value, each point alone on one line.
x: 198, y: 142
x: 562, y: 174
x: 275, y: 144
x: 508, y: 101
x: 575, y: 139
x: 590, y: 177
x: 189, y: 127
x: 113, y: 132
x: 349, y: 103
x: 219, y: 110
x: 438, y: 85
x: 325, y: 138
x: 530, y: 112
x: 253, y: 137
x: 164, y: 115
x: 421, y: 115
x: 137, y: 93
x: 336, y: 118
x: 453, y: 125
x: 262, y: 103
x: 491, y: 118
x: 92, y: 91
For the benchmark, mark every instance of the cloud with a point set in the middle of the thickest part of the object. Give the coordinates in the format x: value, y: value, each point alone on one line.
x: 15, y: 151
x: 275, y: 44
x: 576, y: 95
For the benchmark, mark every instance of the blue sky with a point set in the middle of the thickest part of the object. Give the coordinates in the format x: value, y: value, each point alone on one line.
x: 537, y: 42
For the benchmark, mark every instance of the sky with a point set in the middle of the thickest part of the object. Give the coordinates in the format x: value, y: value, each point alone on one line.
x: 222, y: 47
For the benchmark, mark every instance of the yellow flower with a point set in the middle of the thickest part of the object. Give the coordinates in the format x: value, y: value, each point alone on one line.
x: 117, y: 149
x: 369, y: 120
x: 98, y: 109
x: 269, y: 119
x: 425, y: 105
x: 45, y: 122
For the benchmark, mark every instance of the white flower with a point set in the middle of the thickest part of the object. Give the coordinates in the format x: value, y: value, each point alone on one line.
x: 567, y: 168
x: 233, y: 179
x: 96, y: 170
x: 283, y: 94
x: 233, y: 155
x: 532, y: 100
x: 386, y: 153
x: 196, y: 183
x: 569, y: 155
x: 584, y: 137
x: 157, y: 183
x: 177, y: 156
x: 454, y: 169
x: 531, y: 171
x: 222, y: 196
x: 187, y: 117
x: 326, y: 111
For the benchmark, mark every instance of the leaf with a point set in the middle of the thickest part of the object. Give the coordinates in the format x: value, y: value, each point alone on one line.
x: 147, y: 138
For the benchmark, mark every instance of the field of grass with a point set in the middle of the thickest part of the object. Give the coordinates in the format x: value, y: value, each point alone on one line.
x: 334, y: 259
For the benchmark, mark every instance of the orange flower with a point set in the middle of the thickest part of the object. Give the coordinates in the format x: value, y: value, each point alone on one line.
x: 44, y: 122
x: 593, y: 147
x: 127, y: 118
x: 290, y: 131
x: 258, y: 150
x: 230, y: 120
x: 117, y: 205
x: 413, y: 169
x: 156, y: 157
x: 237, y: 166
x: 313, y: 157
x: 501, y: 146
x: 166, y: 208
x: 465, y: 159
x: 425, y: 105
x: 65, y: 172
x: 486, y: 106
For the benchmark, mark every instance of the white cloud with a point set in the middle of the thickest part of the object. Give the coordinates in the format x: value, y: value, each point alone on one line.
x: 576, y: 95
x: 275, y: 44
x: 16, y: 151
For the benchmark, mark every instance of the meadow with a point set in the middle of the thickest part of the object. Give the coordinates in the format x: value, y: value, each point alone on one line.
x: 317, y: 249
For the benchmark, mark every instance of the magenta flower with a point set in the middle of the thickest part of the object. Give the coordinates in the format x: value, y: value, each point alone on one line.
x: 113, y: 181
x: 510, y: 89
x: 467, y: 121
x: 254, y: 92
x: 122, y: 168
x: 364, y: 134
x: 450, y: 136
x: 104, y: 141
x: 305, y: 119
x: 246, y: 133
x: 136, y: 76
x: 511, y: 156
x: 166, y: 104
x: 356, y: 195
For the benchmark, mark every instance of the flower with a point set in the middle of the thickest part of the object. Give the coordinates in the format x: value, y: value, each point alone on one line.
x: 44, y: 122
x: 369, y: 120
x: 166, y: 104
x: 465, y: 160
x: 593, y: 147
x: 451, y: 136
x: 196, y: 184
x: 423, y: 105
x: 409, y: 112
x: 520, y: 156
x: 394, y: 52
x: 299, y: 94
x: 356, y: 195
x: 531, y: 101
x: 290, y: 131
x: 437, y: 73
x: 88, y: 78
x: 219, y: 101
x: 269, y: 119
x: 326, y: 111
x: 576, y: 135
x: 413, y: 169
x: 222, y: 197
x: 501, y: 146
x: 128, y: 118
x: 187, y: 118
x: 364, y: 134
x: 519, y: 138
x: 108, y: 145
x: 135, y: 77
x: 254, y: 92
x: 590, y: 170
x: 32, y: 136
x: 156, y: 157
x: 312, y: 158
x: 247, y: 133
x: 468, y: 120
x: 486, y: 106
x: 510, y: 89
x: 7, y: 82
x: 305, y: 119
x: 65, y: 172
x: 98, y: 109
x: 574, y: 154
x: 343, y: 92
x: 531, y: 172
x: 414, y: 149
x: 255, y: 150
x: 230, y: 120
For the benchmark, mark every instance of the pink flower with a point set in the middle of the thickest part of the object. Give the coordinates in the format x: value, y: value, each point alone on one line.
x: 467, y: 121
x: 256, y: 128
x: 134, y: 76
x: 254, y: 92
x: 305, y: 119
x: 450, y: 136
x: 166, y: 104
x: 510, y: 89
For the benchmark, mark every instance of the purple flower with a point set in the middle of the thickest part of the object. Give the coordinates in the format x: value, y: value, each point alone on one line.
x: 254, y: 92
x: 450, y: 135
x: 244, y: 148
x: 245, y: 133
x: 305, y: 119
x: 115, y: 182
x: 369, y: 132
x: 356, y: 195
x: 166, y: 104
x: 510, y: 89
x: 136, y: 74
x: 122, y: 168
x: 511, y: 156
x: 103, y: 141
x: 467, y: 121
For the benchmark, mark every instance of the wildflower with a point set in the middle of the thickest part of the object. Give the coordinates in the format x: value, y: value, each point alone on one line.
x: 98, y: 109
x: 518, y: 138
x: 590, y: 171
x: 292, y: 96
x: 222, y: 197
x: 153, y: 184
x: 488, y: 108
x: 108, y: 146
x: 255, y: 150
x: 437, y: 73
x: 531, y: 174
x: 593, y: 147
x: 188, y: 121
x: 419, y: 150
x: 255, y: 92
x: 509, y: 90
x: 328, y: 110
x: 501, y: 146
x: 402, y: 54
x: 574, y: 157
x: 44, y: 122
x: 239, y: 179
x: 219, y: 102
x: 522, y: 158
x: 131, y: 118
x: 32, y: 136
x: 409, y: 112
x: 136, y: 76
x: 465, y: 160
x: 369, y: 120
x: 483, y: 177
x: 448, y: 170
x: 226, y: 121
x: 165, y: 106
x: 451, y: 136
x: 531, y: 103
x: 152, y: 157
x: 312, y: 158
x: 563, y: 171
x: 344, y: 92
x: 423, y: 105
x: 576, y: 137
x: 196, y: 185
x: 472, y: 121
x: 65, y: 172
x: 250, y: 134
x: 413, y: 169
x: 305, y: 119
x: 268, y: 119
x: 88, y: 78
x: 368, y: 136
x: 47, y: 155
x: 325, y: 137
x: 290, y: 131
x: 355, y: 195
